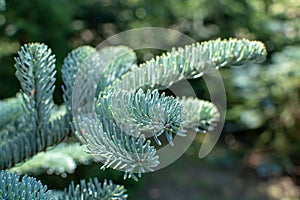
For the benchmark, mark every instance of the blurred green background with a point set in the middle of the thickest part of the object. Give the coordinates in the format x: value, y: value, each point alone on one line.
x: 258, y: 155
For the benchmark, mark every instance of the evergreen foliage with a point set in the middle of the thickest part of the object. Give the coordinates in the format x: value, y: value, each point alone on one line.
x: 94, y: 190
x: 12, y: 188
x: 129, y: 106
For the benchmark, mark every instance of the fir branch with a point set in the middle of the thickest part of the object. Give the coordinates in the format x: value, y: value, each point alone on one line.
x: 119, y: 101
x: 94, y: 190
x: 116, y: 148
x: 72, y: 63
x: 35, y: 71
x: 189, y: 62
x: 146, y: 113
x: 36, y: 129
x: 199, y: 115
x: 114, y: 145
x: 12, y: 188
x: 232, y: 52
